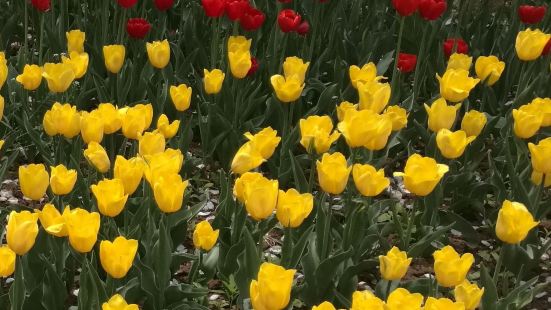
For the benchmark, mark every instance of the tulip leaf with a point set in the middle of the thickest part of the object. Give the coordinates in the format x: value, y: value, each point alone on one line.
x: 299, y: 247
x: 417, y: 248
x: 490, y: 291
x: 249, y: 263
x: 163, y: 256
x: 300, y: 180
x: 17, y: 289
x: 147, y: 281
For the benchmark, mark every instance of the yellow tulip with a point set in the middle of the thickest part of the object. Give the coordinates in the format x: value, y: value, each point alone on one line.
x: 316, y: 135
x: 272, y: 289
x: 151, y: 143
x: 158, y: 53
x: 265, y: 141
x: 260, y: 198
x: 91, y: 126
x: 443, y: 303
x: 77, y: 61
x: 110, y: 196
x: 374, y: 96
x: 324, y: 306
x: 113, y: 56
x: 204, y: 237
x: 136, y: 119
x: 514, y: 222
x: 83, y: 228
x: 538, y: 177
x: 240, y: 63
x: 469, y: 294
x: 242, y: 182
x: 366, y: 74
x: 75, y: 41
x: 421, y: 174
x: 441, y: 115
x: 394, y: 265
x: 530, y: 44
x: 473, y: 122
x: 117, y: 302
x: 110, y: 117
x: 168, y: 129
x: 489, y: 69
x: 452, y: 144
x: 287, y: 89
x: 239, y: 43
x: 541, y: 155
x: 62, y: 119
x: 181, y: 96
x: 343, y: 108
x: 168, y: 162
x: 398, y: 116
x: 1, y: 107
x: 1, y: 144
x: 365, y: 128
x: 168, y: 190
x: 333, y: 173
x: 34, y: 181
x: 31, y: 77
x: 362, y: 300
x: 117, y: 257
x: 97, y: 157
x: 293, y: 207
x: 62, y: 180
x: 3, y: 69
x: 52, y: 221
x: 543, y: 105
x: 449, y: 267
x: 456, y: 84
x: 401, y: 299
x: 294, y: 67
x: 247, y: 158
x: 21, y: 231
x: 213, y: 81
x: 7, y: 257
x: 369, y: 181
x: 526, y: 121
x: 59, y: 76
x: 130, y: 172
x: 459, y: 61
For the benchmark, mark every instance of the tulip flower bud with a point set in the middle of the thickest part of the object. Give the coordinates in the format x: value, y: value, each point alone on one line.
x: 113, y: 56
x: 455, y: 84
x: 469, y: 294
x: 489, y: 69
x: 374, y: 96
x: 265, y: 141
x: 272, y: 289
x: 333, y: 173
x: 21, y: 231
x: 530, y: 44
x: 137, y: 28
x: 83, y: 228
x: 136, y: 119
x: 316, y: 133
x: 254, y: 66
x: 452, y: 144
x: 163, y: 5
x: 1, y: 144
x: 369, y: 181
x: 365, y: 128
x: 530, y: 14
x: 3, y: 69
x: 366, y: 300
x: 214, y: 8
x: 59, y: 76
x: 422, y: 174
x: 295, y: 67
x: 168, y: 190
x: 204, y: 237
x: 303, y: 28
x: 151, y: 143
x: 213, y: 81
x: 110, y: 117
x: 473, y: 122
x: 543, y: 105
x: 260, y: 197
x: 441, y: 115
x: 405, y: 7
x: 117, y: 257
x: 287, y: 90
x: 398, y: 116
x: 91, y: 126
x: 117, y: 302
x: 459, y: 45
x: 450, y: 268
x: 366, y: 74
x: 62, y: 119
x: 406, y: 62
x: 130, y: 172
x: 181, y: 96
x: 324, y: 306
x: 168, y: 162
x: 34, y: 180
x: 541, y: 155
x: 246, y: 159
x: 240, y: 63
x: 110, y: 196
x: 75, y: 41
x: 443, y: 303
x: 394, y: 265
x: 459, y: 61
x: 52, y: 221
x: 432, y: 9
x: 7, y: 257
x: 538, y: 177
x: 288, y: 20
x: 167, y: 129
x: 127, y: 3
x: 31, y: 77
x: 343, y: 108
x: 526, y: 121
x: 62, y: 180
x: 293, y: 207
x: 78, y: 62
x: 401, y: 299
x: 236, y: 8
x: 97, y: 157
x: 158, y: 53
x: 252, y: 19
x: 41, y: 5
x: 514, y: 222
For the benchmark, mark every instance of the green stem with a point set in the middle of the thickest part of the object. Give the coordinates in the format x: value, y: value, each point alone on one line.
x: 260, y: 242
x: 326, y: 233
x: 26, y: 30
x: 436, y: 286
x: 198, y: 266
x: 312, y: 172
x: 41, y: 42
x: 214, y: 42
x: 315, y: 25
x: 287, y: 251
x: 499, y: 263
x: 420, y: 58
x: 388, y: 287
x: 410, y: 224
x: 398, y: 224
x: 539, y: 195
x: 398, y: 47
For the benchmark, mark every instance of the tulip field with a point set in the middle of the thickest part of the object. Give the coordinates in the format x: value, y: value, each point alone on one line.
x: 275, y: 154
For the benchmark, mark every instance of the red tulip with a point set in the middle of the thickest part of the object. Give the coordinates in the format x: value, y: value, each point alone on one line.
x: 163, y: 5
x: 405, y: 7
x: 252, y: 19
x: 127, y: 3
x: 137, y: 28
x: 41, y: 5
x: 288, y: 20
x: 236, y: 8
x: 406, y: 62
x: 303, y: 28
x: 462, y: 47
x: 547, y: 48
x: 214, y: 8
x: 254, y: 66
x: 531, y: 14
x: 432, y: 9
x: 285, y: 1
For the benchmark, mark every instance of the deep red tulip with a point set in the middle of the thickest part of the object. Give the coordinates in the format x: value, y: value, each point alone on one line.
x: 163, y: 5
x: 303, y: 28
x: 41, y: 5
x: 214, y: 8
x: 405, y: 7
x: 530, y: 14
x: 432, y: 9
x: 236, y: 8
x: 254, y: 66
x: 406, y: 62
x: 547, y: 48
x: 252, y: 19
x: 137, y: 28
x: 288, y: 20
x: 127, y: 3
x: 462, y: 47
x: 285, y: 1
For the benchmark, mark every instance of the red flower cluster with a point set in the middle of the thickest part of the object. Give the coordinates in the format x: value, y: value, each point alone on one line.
x: 41, y: 5
x: 429, y: 9
x: 137, y: 28
x: 462, y: 47
x: 531, y: 14
x: 249, y: 17
x: 127, y: 3
x: 163, y: 5
x: 406, y: 62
